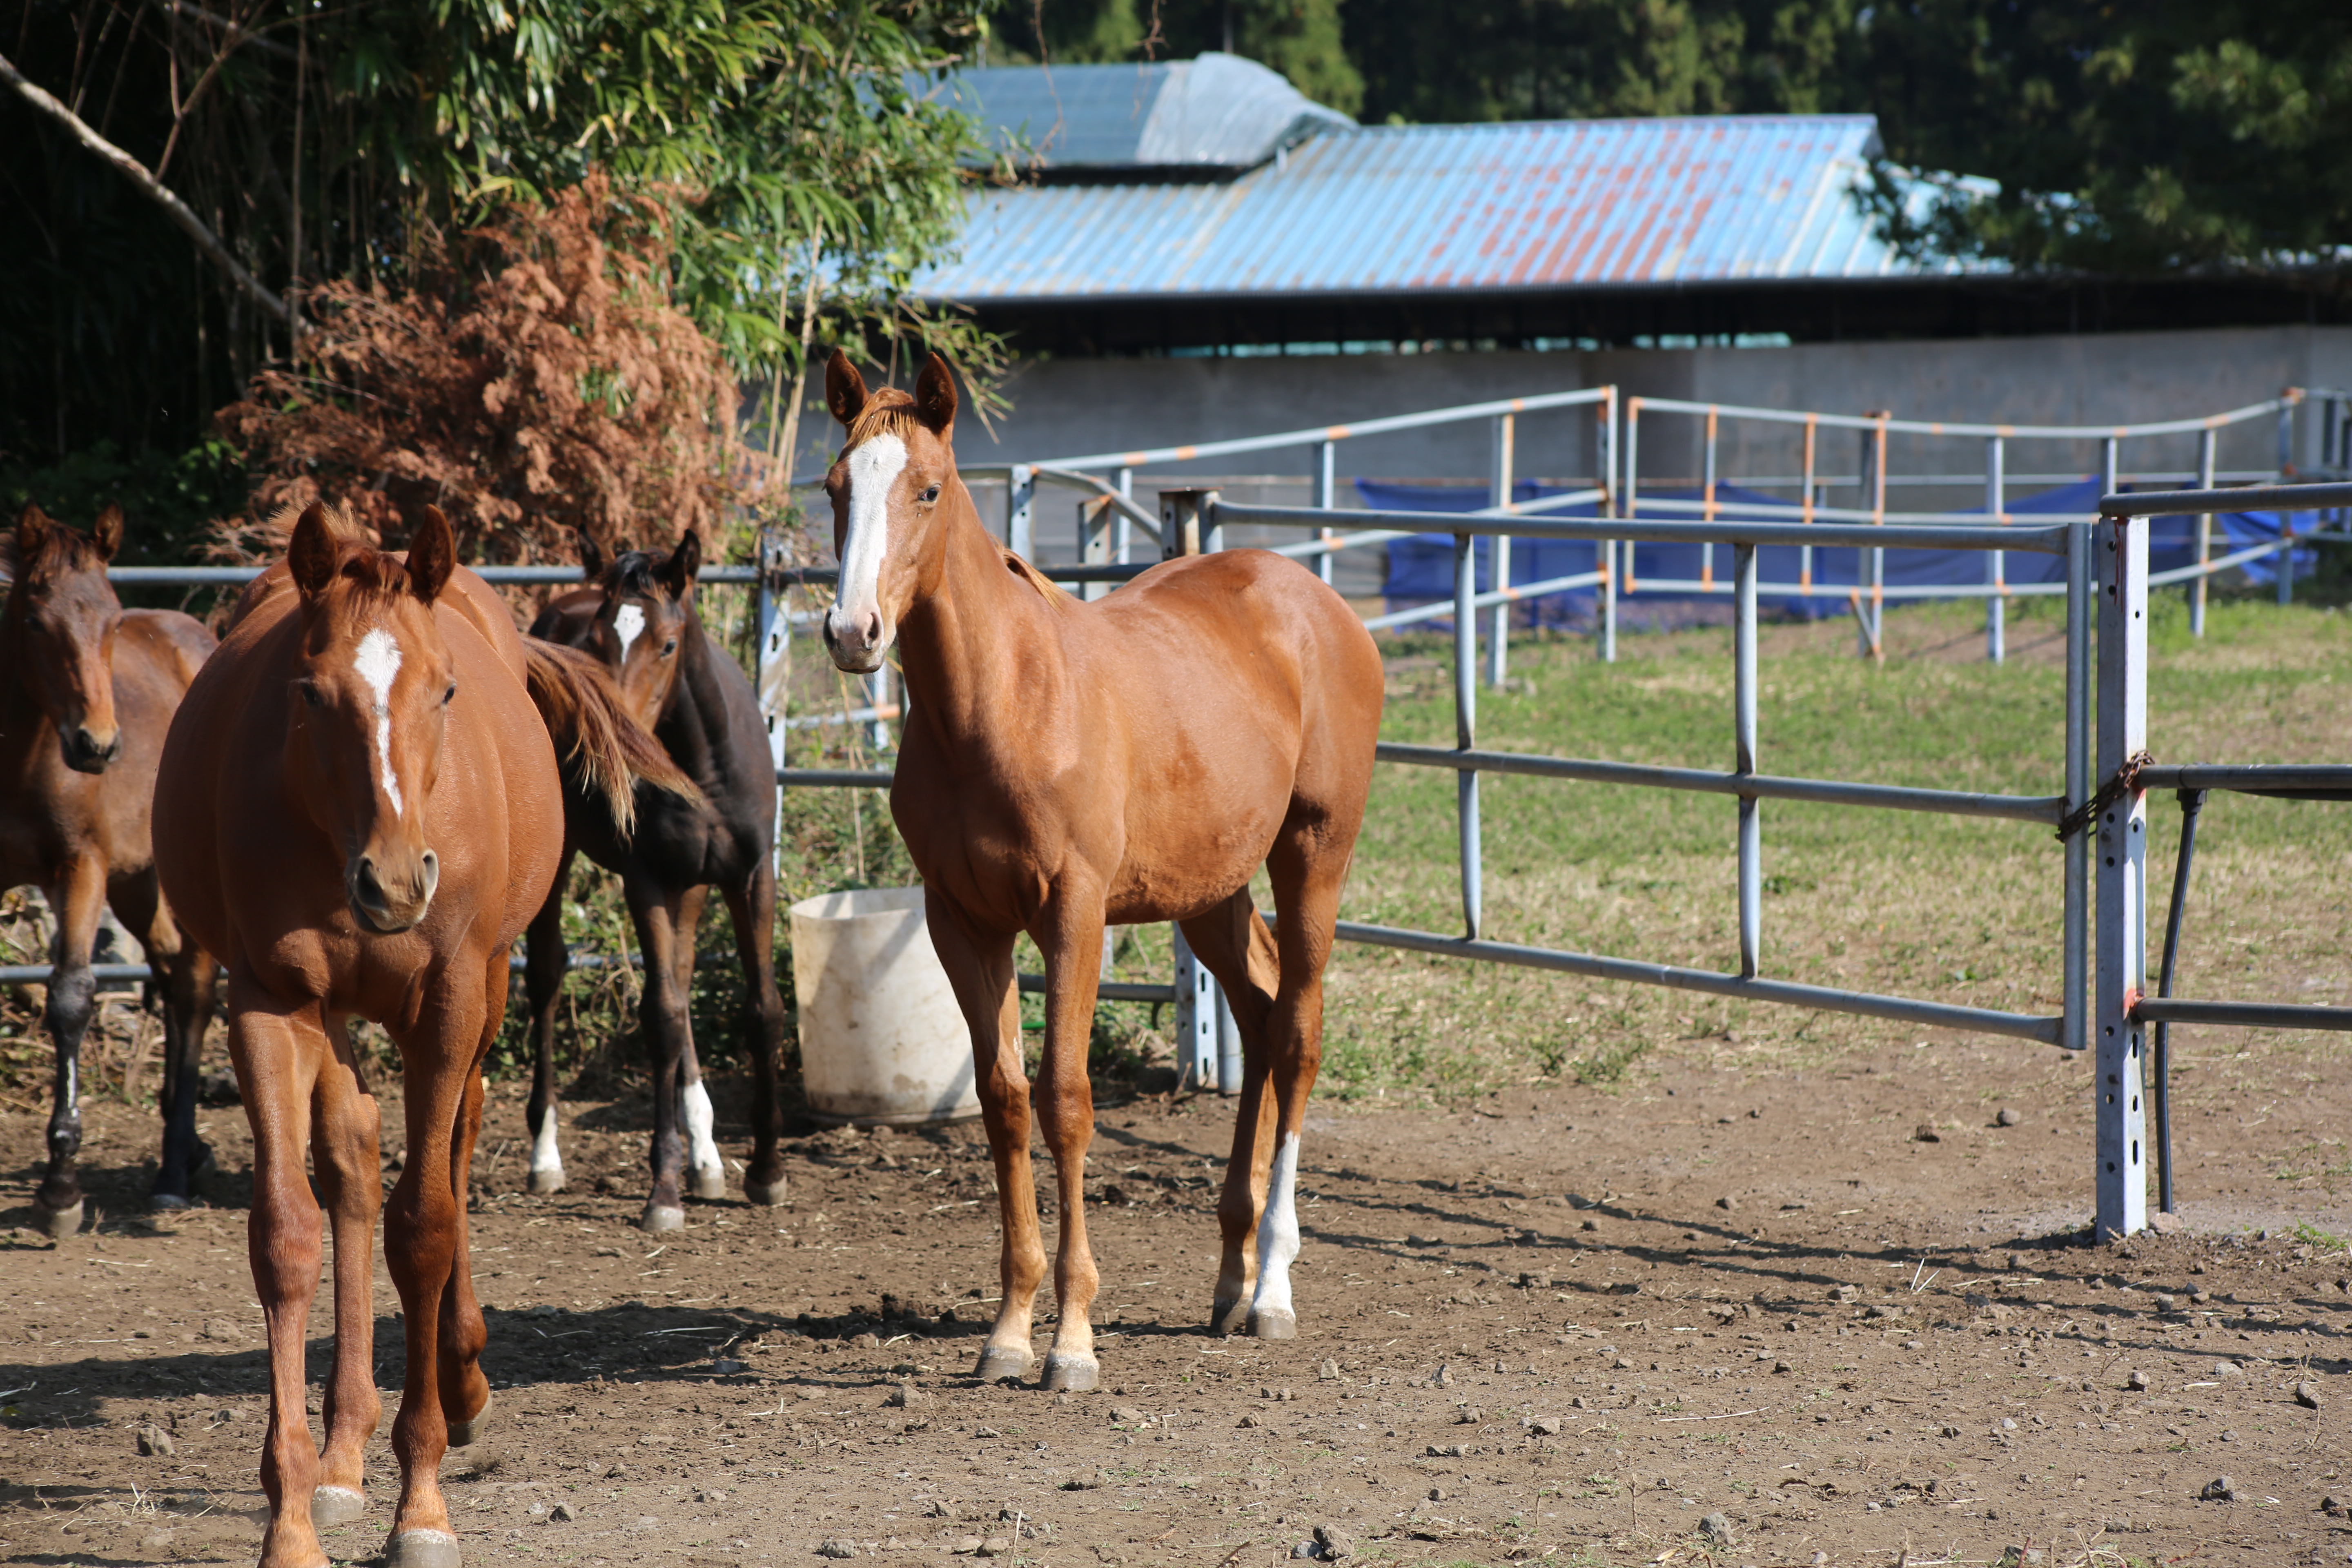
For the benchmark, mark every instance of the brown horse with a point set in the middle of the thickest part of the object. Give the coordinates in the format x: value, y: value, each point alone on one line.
x: 359, y: 810
x: 87, y: 691
x: 709, y: 820
x: 1130, y: 760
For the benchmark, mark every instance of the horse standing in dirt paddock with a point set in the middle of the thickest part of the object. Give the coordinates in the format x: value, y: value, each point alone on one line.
x: 358, y: 810
x: 86, y: 691
x: 704, y: 816
x: 1130, y: 760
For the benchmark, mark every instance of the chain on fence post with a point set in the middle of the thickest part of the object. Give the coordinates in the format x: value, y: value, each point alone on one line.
x: 2120, y: 833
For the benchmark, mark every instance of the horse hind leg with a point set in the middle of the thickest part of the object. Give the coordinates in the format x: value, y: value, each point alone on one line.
x: 1238, y: 950
x: 752, y: 909
x: 545, y: 961
x: 186, y: 976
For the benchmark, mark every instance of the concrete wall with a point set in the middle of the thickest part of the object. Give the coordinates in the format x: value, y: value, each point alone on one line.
x: 1068, y: 407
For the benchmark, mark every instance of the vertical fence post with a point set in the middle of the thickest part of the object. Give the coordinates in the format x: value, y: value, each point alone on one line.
x: 1805, y: 552
x: 1465, y: 721
x: 2121, y: 837
x: 2206, y: 442
x: 1605, y: 550
x: 1633, y: 490
x: 1326, y: 491
x: 1499, y: 482
x: 1706, y: 506
x: 1020, y: 503
x: 1126, y: 535
x: 1198, y: 1004
x: 1095, y: 515
x: 1873, y: 496
x: 774, y: 680
x: 1229, y: 1044
x: 877, y: 697
x: 2081, y: 541
x: 1187, y: 518
x: 1752, y: 825
x: 1996, y: 607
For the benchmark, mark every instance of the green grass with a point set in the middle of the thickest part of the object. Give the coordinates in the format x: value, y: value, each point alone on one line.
x: 1953, y: 909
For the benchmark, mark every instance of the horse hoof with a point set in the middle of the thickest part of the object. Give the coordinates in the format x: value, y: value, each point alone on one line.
x: 767, y: 1195
x: 421, y: 1549
x: 1274, y: 1323
x: 167, y: 1203
x: 466, y: 1434
x: 61, y: 1223
x: 331, y: 1505
x: 660, y: 1217
x: 711, y: 1184
x: 1070, y: 1373
x: 996, y: 1364
x: 545, y: 1182
x: 1229, y: 1316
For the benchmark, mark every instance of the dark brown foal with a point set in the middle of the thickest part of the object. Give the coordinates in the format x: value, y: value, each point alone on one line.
x: 359, y: 810
x: 1130, y: 760
x: 86, y: 691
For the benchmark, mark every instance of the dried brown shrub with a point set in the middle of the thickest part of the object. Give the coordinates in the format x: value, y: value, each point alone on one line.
x: 537, y: 379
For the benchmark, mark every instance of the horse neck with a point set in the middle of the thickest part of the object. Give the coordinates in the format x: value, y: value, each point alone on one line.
x: 693, y: 723
x: 977, y: 645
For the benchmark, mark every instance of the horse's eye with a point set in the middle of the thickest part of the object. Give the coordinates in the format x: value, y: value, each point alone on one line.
x: 449, y: 696
x: 669, y: 648
x: 310, y: 694
x: 931, y: 495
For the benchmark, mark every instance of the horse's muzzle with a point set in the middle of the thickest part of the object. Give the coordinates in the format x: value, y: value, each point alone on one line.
x: 88, y: 752
x: 856, y: 639
x: 390, y: 907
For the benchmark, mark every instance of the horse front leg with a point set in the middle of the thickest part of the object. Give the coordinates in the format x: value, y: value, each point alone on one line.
x: 752, y: 909
x: 1071, y: 942
x: 706, y: 1171
x: 424, y: 1238
x: 662, y: 1017
x: 80, y: 897
x: 345, y: 1151
x: 277, y: 1050
x: 464, y: 1389
x: 545, y: 961
x: 979, y: 969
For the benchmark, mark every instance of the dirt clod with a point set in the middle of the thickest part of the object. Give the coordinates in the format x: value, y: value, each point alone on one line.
x: 2008, y: 1117
x: 2307, y: 1395
x: 153, y: 1440
x: 2221, y: 1488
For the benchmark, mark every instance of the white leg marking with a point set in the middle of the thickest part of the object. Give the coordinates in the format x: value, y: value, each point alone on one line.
x: 874, y: 467
x: 544, y: 1159
x: 1277, y: 1233
x: 378, y: 663
x: 694, y: 1109
x: 629, y: 621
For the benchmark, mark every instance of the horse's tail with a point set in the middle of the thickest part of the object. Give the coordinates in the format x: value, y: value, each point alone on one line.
x: 602, y: 748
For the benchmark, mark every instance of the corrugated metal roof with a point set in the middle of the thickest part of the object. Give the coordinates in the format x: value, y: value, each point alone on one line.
x: 1535, y: 205
x: 1218, y: 111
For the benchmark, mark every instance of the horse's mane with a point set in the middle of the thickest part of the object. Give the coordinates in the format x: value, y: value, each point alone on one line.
x: 600, y: 745
x: 889, y: 412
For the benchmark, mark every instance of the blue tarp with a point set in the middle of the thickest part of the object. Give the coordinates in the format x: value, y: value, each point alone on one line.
x: 1421, y: 569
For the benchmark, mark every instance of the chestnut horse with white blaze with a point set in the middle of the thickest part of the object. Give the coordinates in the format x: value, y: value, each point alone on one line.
x: 1067, y: 764
x: 358, y: 811
x: 86, y: 691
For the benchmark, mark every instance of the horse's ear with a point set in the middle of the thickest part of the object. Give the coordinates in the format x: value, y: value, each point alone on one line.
x: 107, y: 534
x: 312, y: 552
x: 591, y: 560
x: 935, y: 395
x: 679, y: 570
x: 844, y: 389
x: 33, y: 527
x: 431, y: 556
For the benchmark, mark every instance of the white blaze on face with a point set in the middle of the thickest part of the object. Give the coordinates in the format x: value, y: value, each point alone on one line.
x: 629, y: 621
x: 1277, y: 1233
x: 694, y: 1109
x: 378, y: 663
x: 874, y: 467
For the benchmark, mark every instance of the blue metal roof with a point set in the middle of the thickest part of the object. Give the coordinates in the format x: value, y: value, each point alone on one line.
x: 1219, y: 112
x: 1536, y: 205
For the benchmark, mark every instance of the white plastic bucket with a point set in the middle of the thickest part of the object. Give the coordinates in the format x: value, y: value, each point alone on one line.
x: 882, y: 1040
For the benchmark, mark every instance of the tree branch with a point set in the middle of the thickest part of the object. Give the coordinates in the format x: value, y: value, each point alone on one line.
x: 136, y: 172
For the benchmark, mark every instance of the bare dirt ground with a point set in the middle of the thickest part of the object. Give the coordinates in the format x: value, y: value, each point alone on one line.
x: 1697, y: 1316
